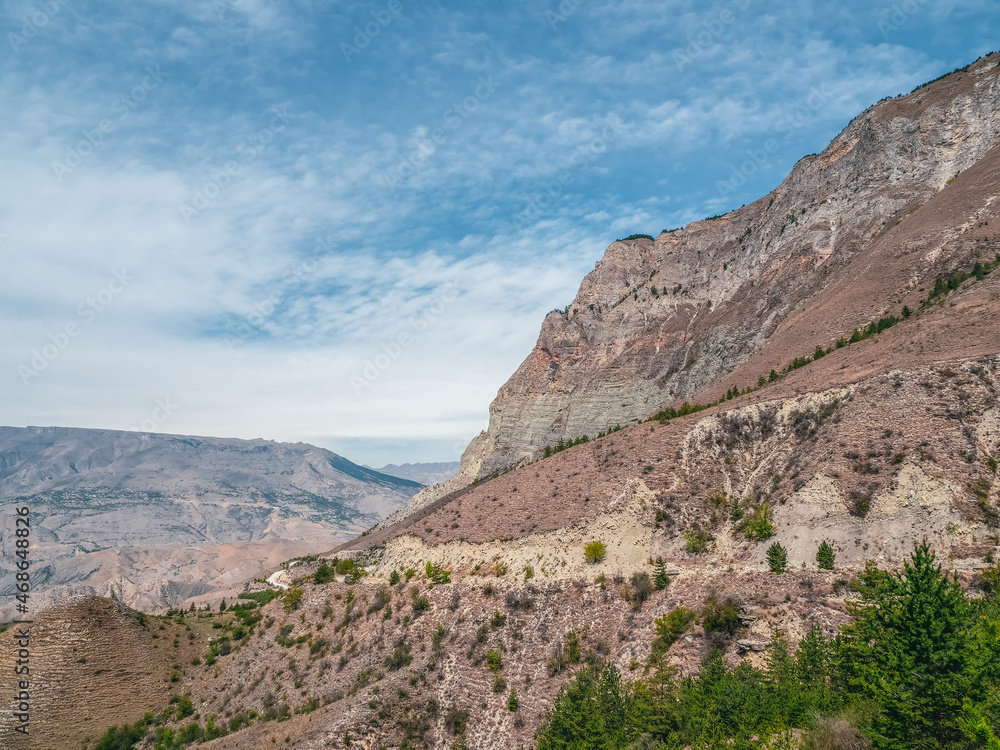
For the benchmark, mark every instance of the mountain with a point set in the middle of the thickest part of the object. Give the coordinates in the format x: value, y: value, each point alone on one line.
x: 426, y: 473
x: 153, y: 519
x: 842, y: 387
x: 901, y: 197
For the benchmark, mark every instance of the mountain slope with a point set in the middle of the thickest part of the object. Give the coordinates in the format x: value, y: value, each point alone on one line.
x: 152, y: 519
x: 902, y: 196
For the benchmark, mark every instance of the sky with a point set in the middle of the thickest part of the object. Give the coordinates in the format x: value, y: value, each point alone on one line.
x: 342, y: 223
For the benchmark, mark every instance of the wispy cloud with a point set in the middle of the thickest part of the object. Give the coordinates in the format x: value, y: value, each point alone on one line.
x: 286, y: 213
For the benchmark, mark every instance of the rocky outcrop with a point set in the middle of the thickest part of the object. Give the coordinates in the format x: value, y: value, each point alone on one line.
x: 843, y: 240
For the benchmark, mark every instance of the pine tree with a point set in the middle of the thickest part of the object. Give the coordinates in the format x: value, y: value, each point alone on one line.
x: 512, y: 702
x: 394, y: 577
x: 777, y: 558
x: 825, y: 556
x: 912, y: 649
x: 660, y: 577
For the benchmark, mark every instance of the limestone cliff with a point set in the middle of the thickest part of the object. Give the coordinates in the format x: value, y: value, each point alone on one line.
x: 843, y: 240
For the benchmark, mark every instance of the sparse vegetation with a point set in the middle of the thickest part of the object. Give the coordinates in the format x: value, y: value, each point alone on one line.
x: 595, y: 551
x: 695, y: 541
x: 777, y: 558
x: 758, y: 525
x: 669, y: 628
x: 825, y: 556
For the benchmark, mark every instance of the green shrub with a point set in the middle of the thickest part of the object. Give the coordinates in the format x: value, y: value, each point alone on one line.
x: 324, y: 574
x: 720, y: 617
x: 494, y: 660
x: 595, y: 551
x: 860, y: 507
x: 825, y: 556
x: 437, y: 574
x: 512, y: 702
x: 777, y: 558
x: 292, y: 599
x: 185, y: 707
x: 695, y: 542
x: 758, y: 525
x: 400, y: 657
x: 660, y: 578
x: 669, y: 628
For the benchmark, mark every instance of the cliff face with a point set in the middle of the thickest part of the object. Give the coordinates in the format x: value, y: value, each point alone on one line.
x: 658, y: 322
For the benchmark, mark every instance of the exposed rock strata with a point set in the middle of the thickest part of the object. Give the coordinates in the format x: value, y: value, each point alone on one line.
x: 851, y: 234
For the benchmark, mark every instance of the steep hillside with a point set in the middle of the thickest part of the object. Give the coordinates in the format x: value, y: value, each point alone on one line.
x: 153, y: 519
x: 905, y: 194
x: 94, y: 663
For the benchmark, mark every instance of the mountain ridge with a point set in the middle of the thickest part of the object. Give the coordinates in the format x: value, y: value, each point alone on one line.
x: 153, y: 518
x: 663, y: 321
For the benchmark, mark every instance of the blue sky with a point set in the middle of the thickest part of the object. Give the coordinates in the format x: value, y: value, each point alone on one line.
x: 342, y: 223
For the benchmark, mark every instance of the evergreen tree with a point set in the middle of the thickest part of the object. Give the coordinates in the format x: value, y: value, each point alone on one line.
x: 394, y: 577
x: 777, y: 558
x: 825, y: 556
x: 660, y: 577
x: 912, y: 649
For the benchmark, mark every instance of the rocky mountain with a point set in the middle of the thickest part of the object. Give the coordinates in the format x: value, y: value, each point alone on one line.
x: 153, y: 519
x: 838, y: 344
x: 902, y: 196
x: 425, y: 473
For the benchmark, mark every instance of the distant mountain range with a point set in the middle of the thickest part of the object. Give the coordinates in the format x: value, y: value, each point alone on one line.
x: 152, y: 519
x: 427, y: 474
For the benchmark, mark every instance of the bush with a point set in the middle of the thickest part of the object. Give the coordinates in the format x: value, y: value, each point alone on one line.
x: 571, y: 648
x: 324, y: 574
x: 494, y: 660
x: 758, y: 525
x: 292, y: 599
x: 834, y: 733
x: 825, y: 556
x: 595, y: 551
x: 642, y: 588
x: 720, y: 617
x: 777, y: 558
x: 669, y: 628
x: 860, y: 507
x: 456, y: 718
x: 437, y: 574
x: 695, y: 542
x: 400, y: 657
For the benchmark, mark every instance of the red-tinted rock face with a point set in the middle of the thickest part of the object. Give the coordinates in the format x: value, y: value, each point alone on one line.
x: 897, y: 199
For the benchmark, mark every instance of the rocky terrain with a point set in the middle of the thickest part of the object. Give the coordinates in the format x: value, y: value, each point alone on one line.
x: 841, y: 342
x: 905, y: 194
x: 154, y: 519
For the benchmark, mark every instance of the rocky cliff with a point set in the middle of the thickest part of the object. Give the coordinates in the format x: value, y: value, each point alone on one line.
x: 893, y: 202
